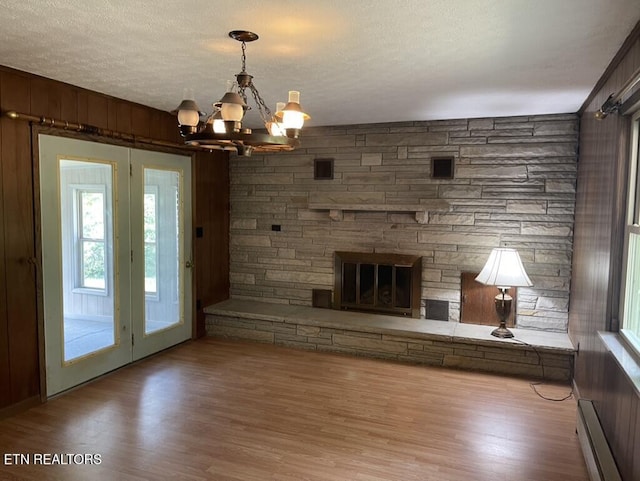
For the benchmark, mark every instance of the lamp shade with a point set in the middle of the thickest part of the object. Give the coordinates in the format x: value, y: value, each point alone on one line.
x: 504, y: 269
x: 188, y: 113
x: 292, y: 115
x: 232, y: 106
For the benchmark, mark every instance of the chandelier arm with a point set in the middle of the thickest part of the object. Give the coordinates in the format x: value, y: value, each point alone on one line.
x: 265, y: 112
x: 241, y: 91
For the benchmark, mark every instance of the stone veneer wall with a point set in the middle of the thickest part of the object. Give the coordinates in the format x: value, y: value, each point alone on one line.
x: 514, y: 186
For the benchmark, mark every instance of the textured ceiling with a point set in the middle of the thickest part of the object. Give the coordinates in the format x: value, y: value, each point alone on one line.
x: 354, y: 61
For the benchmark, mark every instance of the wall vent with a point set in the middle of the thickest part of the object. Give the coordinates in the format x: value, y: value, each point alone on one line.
x: 436, y: 310
x: 321, y: 298
x: 323, y: 169
x: 442, y: 168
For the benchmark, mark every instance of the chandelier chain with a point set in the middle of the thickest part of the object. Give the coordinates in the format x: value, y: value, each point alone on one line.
x: 265, y: 112
x: 244, y: 57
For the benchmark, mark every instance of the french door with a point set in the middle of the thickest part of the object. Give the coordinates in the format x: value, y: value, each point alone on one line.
x: 116, y: 250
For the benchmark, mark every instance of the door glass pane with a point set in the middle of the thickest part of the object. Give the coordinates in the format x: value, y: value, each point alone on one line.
x: 349, y: 282
x: 403, y: 287
x: 367, y: 282
x: 86, y: 197
x: 163, y: 240
x: 385, y: 286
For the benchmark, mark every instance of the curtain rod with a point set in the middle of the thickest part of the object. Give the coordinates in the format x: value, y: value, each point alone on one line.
x: 613, y: 103
x: 92, y: 130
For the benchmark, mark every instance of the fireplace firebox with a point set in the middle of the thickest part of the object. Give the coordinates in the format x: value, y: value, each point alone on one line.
x: 375, y: 282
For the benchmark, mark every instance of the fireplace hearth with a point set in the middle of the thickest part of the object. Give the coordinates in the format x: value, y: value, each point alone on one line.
x: 375, y: 282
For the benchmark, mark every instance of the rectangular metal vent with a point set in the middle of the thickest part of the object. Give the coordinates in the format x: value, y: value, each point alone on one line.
x: 321, y: 298
x: 436, y: 310
x: 442, y: 168
x: 323, y: 169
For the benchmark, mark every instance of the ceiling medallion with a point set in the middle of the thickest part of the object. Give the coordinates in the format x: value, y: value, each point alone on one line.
x: 222, y: 129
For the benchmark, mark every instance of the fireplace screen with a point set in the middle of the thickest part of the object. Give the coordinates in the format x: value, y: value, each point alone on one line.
x: 388, y: 283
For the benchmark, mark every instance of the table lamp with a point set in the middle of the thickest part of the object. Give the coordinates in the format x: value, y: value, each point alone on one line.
x: 503, y: 269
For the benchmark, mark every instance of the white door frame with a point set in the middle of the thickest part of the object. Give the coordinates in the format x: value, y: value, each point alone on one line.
x: 61, y: 375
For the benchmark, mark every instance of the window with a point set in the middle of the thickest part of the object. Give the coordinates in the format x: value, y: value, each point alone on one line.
x: 151, y: 241
x: 631, y: 291
x: 91, y: 251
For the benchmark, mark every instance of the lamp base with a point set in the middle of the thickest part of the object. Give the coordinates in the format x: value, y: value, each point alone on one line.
x: 502, y: 332
x: 503, y: 308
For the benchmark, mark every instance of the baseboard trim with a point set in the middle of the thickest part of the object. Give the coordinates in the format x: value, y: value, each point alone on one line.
x: 18, y: 407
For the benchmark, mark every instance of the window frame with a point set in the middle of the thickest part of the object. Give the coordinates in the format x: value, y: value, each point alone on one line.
x: 78, y: 245
x: 631, y: 335
x: 152, y: 189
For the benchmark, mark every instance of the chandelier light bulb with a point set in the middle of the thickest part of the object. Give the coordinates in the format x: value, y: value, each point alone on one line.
x: 218, y: 123
x: 293, y: 120
x: 293, y: 116
x: 275, y: 126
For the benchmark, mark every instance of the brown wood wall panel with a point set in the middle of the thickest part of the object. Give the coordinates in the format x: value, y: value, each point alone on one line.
x: 617, y: 422
x: 68, y: 102
x: 98, y: 110
x: 597, y: 258
x: 123, y: 117
x: 212, y: 215
x: 43, y: 99
x: 17, y: 199
x: 112, y: 114
x: 140, y: 121
x: 83, y: 107
x: 5, y: 371
x: 166, y: 130
x: 19, y: 343
x: 634, y: 444
x: 477, y: 304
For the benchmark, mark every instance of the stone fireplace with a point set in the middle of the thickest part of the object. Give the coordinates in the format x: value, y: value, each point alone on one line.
x: 285, y: 226
x: 376, y: 282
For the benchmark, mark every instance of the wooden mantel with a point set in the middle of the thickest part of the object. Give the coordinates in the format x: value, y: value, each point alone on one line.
x: 339, y: 202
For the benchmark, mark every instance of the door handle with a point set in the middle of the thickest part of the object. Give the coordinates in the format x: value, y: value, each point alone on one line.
x: 189, y: 264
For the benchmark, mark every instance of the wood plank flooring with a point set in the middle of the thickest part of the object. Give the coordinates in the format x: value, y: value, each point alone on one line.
x: 232, y: 411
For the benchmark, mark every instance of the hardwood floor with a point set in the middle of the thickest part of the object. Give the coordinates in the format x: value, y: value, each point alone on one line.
x: 233, y: 411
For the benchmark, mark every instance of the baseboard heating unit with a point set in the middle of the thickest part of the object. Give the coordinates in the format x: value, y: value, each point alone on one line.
x: 595, y: 449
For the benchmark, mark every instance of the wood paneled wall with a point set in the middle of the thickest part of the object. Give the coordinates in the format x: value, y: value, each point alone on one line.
x: 597, y: 258
x: 212, y: 237
x: 19, y: 343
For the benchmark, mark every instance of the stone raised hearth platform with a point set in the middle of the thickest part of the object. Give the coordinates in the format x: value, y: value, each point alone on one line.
x: 546, y: 355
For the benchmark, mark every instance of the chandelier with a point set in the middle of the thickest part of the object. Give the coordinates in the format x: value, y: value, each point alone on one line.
x: 222, y: 129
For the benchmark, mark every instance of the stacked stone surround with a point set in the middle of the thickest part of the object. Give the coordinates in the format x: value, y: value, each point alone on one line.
x: 514, y: 186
